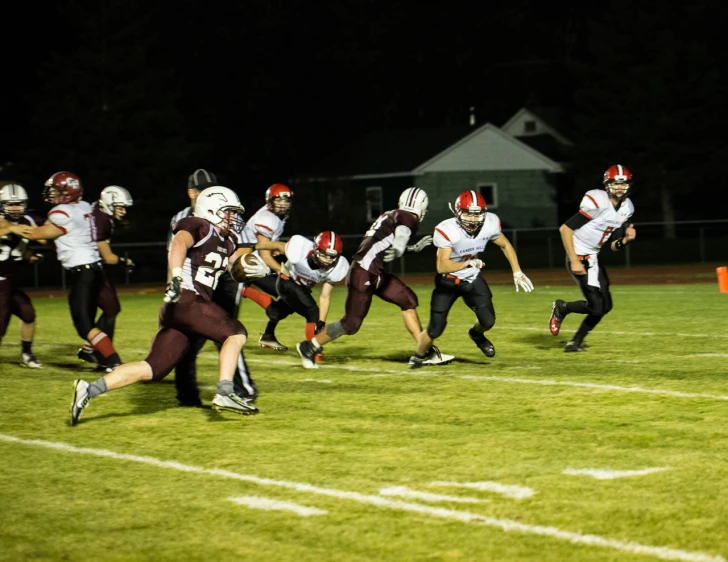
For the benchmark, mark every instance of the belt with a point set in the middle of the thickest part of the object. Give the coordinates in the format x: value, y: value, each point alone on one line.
x: 457, y: 279
x: 285, y: 277
x: 79, y: 268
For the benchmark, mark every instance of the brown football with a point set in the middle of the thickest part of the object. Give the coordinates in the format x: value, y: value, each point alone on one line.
x: 237, y: 270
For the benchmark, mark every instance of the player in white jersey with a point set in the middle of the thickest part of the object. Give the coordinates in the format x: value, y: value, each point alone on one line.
x: 603, y: 218
x: 459, y: 240
x: 226, y: 295
x: 307, y: 264
x: 71, y: 224
x: 266, y: 225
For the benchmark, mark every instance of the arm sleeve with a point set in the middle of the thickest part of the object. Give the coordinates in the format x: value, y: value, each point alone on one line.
x: 577, y: 221
x: 401, y: 236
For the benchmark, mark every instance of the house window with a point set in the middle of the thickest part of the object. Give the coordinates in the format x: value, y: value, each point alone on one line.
x: 529, y: 127
x: 374, y: 203
x: 490, y: 192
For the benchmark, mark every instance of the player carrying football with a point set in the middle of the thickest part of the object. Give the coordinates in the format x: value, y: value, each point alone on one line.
x: 602, y: 219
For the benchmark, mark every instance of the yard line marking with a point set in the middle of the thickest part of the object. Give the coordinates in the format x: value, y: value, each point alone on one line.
x: 268, y: 504
x: 325, y: 381
x: 608, y: 474
x: 506, y: 525
x: 508, y: 490
x: 525, y: 368
x: 543, y: 382
x: 405, y: 492
x: 708, y: 355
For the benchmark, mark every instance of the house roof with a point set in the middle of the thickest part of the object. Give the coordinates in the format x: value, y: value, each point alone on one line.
x: 388, y: 152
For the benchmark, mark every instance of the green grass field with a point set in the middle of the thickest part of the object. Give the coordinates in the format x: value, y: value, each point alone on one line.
x: 375, y: 462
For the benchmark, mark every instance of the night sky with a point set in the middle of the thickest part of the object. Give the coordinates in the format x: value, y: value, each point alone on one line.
x: 141, y: 95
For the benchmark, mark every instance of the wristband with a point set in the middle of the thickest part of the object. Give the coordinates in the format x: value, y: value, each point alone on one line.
x: 176, y: 272
x: 619, y: 244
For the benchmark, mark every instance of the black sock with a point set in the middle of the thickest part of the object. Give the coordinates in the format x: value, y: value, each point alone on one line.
x: 26, y: 346
x: 270, y: 328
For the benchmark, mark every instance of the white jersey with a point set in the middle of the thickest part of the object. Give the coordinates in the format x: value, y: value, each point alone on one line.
x: 77, y: 246
x: 263, y: 222
x: 449, y: 234
x: 298, y: 249
x: 603, y: 220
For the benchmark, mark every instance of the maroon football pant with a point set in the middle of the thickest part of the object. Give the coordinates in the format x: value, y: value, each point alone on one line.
x: 181, y: 322
x: 361, y: 286
x: 13, y: 302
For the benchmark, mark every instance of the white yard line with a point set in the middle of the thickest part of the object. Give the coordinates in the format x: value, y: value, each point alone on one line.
x: 323, y: 381
x: 608, y: 387
x: 268, y: 504
x: 709, y: 355
x: 507, y: 525
x: 405, y: 492
x: 608, y: 474
x: 508, y: 490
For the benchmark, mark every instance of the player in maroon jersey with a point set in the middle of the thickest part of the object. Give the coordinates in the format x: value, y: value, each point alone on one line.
x: 385, y: 241
x: 203, y: 248
x: 110, y: 209
x: 13, y: 251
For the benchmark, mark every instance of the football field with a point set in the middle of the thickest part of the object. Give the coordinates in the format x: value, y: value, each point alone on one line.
x: 619, y: 453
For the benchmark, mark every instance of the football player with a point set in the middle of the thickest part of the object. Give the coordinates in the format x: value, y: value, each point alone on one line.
x: 603, y: 218
x: 203, y: 248
x: 226, y: 295
x: 385, y: 241
x: 459, y: 240
x: 307, y: 264
x: 111, y: 208
x: 13, y: 251
x: 266, y: 225
x: 71, y: 224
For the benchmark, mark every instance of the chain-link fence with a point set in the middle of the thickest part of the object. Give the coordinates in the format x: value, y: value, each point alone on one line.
x: 537, y: 248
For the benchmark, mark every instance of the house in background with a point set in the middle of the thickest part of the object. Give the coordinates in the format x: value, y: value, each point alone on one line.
x: 517, y: 168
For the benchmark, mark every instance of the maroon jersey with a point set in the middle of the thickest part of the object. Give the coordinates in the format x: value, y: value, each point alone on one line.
x: 12, y: 248
x: 380, y: 236
x: 208, y: 258
x: 104, y: 224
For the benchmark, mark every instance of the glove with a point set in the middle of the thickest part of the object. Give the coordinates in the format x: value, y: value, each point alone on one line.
x: 174, y: 290
x: 257, y: 270
x: 391, y: 254
x: 127, y: 262
x: 476, y: 263
x: 520, y: 280
x: 36, y: 258
x: 320, y: 325
x: 421, y: 244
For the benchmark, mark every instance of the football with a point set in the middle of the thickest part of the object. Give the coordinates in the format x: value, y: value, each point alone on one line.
x: 237, y: 270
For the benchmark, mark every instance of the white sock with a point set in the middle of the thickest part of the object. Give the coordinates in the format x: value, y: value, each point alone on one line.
x: 316, y: 344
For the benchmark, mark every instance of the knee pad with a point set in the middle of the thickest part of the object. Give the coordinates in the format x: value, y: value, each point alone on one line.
x: 349, y: 326
x: 436, y: 326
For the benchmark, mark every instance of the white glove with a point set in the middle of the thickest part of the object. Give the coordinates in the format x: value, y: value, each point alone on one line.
x: 174, y: 290
x: 391, y: 254
x: 520, y: 280
x: 476, y: 263
x: 421, y: 244
x: 260, y: 269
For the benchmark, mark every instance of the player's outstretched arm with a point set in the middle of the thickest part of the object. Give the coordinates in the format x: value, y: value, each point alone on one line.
x: 519, y: 278
x: 325, y: 301
x: 267, y: 255
x: 48, y: 231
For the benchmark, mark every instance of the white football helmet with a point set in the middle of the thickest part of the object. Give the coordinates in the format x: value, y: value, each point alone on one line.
x: 114, y: 196
x: 15, y: 195
x: 415, y: 201
x: 220, y: 206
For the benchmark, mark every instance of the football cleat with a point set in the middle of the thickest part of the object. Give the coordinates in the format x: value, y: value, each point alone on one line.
x: 308, y: 354
x: 270, y: 341
x: 80, y: 399
x: 483, y: 343
x: 433, y: 357
x: 233, y: 403
x: 29, y: 360
x: 557, y: 317
x: 87, y: 356
x: 574, y: 347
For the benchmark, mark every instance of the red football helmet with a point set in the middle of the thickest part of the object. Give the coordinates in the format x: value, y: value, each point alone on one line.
x: 617, y: 174
x: 62, y: 187
x: 327, y: 248
x: 279, y: 198
x: 470, y: 210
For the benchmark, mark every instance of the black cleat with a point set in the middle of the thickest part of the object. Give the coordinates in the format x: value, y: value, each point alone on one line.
x: 308, y: 354
x: 557, y: 317
x: 573, y: 347
x: 87, y: 356
x: 483, y: 343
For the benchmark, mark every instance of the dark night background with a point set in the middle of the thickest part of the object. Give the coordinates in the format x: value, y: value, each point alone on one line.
x: 140, y: 94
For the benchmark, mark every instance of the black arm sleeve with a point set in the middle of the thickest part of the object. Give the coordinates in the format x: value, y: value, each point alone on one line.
x: 618, y: 234
x: 577, y: 221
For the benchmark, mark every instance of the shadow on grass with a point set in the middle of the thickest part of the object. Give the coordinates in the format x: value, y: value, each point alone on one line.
x: 544, y: 341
